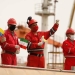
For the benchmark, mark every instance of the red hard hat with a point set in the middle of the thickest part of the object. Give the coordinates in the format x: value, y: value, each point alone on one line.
x: 31, y: 21
x: 70, y: 31
x: 11, y: 21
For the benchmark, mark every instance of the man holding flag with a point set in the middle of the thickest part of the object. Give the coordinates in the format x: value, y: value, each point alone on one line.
x: 36, y: 44
x: 9, y: 44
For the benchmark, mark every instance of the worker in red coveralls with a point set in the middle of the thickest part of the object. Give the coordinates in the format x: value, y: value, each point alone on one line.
x: 9, y: 44
x: 35, y: 46
x: 68, y: 47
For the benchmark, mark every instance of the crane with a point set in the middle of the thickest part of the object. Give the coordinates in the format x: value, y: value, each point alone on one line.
x: 72, y: 15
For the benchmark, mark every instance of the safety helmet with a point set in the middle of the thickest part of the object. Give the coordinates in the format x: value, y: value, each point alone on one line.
x: 11, y: 21
x: 70, y: 31
x: 31, y: 21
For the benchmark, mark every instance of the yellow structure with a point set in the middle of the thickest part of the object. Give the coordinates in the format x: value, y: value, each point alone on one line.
x: 72, y: 15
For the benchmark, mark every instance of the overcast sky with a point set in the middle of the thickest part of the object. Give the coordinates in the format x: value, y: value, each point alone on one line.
x: 21, y: 9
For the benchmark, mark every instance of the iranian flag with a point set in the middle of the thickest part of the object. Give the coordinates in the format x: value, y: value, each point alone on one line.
x: 23, y: 43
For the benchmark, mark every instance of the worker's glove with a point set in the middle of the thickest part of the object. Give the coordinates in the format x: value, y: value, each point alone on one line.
x: 17, y: 46
x: 3, y: 39
x: 57, y: 22
x: 41, y: 43
x: 17, y: 51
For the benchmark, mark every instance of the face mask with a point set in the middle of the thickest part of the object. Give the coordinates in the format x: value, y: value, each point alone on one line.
x: 35, y: 28
x: 72, y: 37
x: 12, y: 27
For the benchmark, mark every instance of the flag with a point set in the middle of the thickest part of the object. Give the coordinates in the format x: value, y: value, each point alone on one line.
x: 1, y: 33
x: 23, y: 43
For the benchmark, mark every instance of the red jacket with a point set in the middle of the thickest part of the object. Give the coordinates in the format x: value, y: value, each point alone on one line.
x: 68, y: 48
x: 11, y: 41
x: 35, y: 39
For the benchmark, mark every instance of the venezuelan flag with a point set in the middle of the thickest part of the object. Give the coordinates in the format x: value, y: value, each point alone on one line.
x: 1, y: 32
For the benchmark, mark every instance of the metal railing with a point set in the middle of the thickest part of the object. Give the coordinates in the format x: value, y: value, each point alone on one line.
x: 55, y: 57
x: 38, y: 8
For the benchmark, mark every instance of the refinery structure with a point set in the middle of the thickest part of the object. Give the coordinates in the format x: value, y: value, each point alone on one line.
x: 44, y: 10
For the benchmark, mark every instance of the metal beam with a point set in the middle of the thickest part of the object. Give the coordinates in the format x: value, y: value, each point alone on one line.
x: 72, y: 14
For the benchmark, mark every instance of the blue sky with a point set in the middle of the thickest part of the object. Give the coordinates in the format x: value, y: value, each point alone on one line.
x: 21, y: 9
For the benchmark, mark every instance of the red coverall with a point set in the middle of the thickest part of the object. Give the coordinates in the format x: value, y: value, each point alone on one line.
x: 36, y: 55
x: 8, y: 55
x: 69, y: 54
